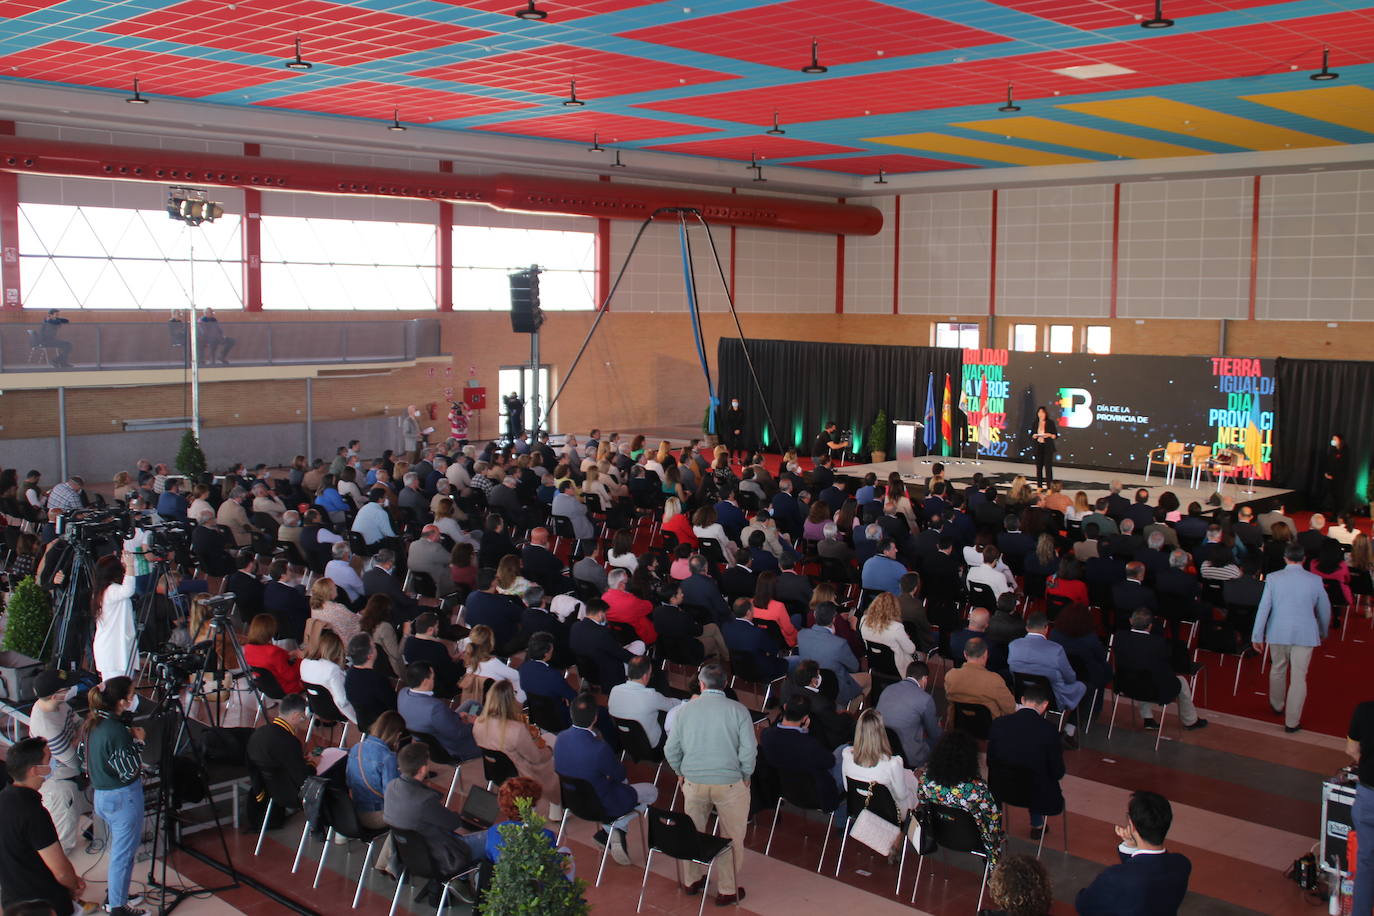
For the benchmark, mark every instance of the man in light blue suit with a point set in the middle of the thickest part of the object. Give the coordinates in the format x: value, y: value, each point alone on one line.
x: 820, y: 644
x: 1035, y: 654
x: 1294, y: 617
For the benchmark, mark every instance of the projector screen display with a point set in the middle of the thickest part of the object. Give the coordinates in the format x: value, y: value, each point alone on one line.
x: 1112, y: 410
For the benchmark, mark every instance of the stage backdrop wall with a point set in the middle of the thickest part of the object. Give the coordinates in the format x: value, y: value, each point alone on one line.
x: 1112, y: 410
x: 807, y: 384
x: 1316, y: 399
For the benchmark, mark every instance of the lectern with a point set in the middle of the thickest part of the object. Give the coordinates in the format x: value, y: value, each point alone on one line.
x: 908, y: 433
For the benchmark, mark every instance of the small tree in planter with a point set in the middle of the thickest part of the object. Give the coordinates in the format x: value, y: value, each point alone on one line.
x: 877, y: 437
x: 529, y: 880
x: 190, y: 459
x: 711, y: 439
x: 27, y: 617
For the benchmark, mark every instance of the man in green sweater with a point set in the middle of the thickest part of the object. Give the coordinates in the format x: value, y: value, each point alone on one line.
x: 712, y: 749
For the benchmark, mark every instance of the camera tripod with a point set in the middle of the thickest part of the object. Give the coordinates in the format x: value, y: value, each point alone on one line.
x: 223, y: 643
x: 60, y: 643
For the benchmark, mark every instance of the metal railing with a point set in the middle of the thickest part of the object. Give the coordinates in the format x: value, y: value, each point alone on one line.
x: 123, y: 345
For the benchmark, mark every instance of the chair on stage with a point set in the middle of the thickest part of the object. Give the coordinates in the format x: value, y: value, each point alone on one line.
x: 1171, y: 456
x: 1196, y: 462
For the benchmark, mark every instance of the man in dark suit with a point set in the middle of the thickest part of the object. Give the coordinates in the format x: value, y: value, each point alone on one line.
x: 786, y: 511
x: 591, y: 639
x: 542, y: 566
x: 381, y: 580
x: 739, y: 580
x: 791, y: 587
x: 487, y: 606
x: 1193, y: 526
x: 834, y: 728
x: 1139, y: 650
x: 1116, y: 503
x: 210, y: 545
x: 1025, y: 740
x: 1312, y: 539
x: 1126, y: 543
x: 700, y: 590
x: 1014, y: 543
x: 283, y: 599
x: 729, y: 514
x: 1247, y: 532
x: 821, y: 475
x: 1103, y: 572
x: 789, y: 746
x: 1176, y: 588
x: 1155, y: 556
x: 1140, y: 511
x: 1150, y: 881
x: 742, y: 637
x: 424, y: 645
x: 535, y: 619
x: 368, y: 688
x: 246, y: 585
x: 539, y: 678
x: 424, y: 712
x: 496, y: 543
x: 275, y: 757
x: 1132, y: 592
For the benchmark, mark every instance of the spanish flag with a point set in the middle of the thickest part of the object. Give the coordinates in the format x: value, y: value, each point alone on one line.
x: 947, y: 421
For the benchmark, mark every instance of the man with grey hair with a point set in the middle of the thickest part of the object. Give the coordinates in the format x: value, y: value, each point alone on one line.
x: 340, y: 570
x: 210, y: 545
x: 413, y: 498
x: 234, y: 518
x: 506, y: 500
x: 266, y: 503
x: 1146, y: 653
x: 428, y: 556
x: 624, y: 607
x: 832, y: 547
x: 382, y: 579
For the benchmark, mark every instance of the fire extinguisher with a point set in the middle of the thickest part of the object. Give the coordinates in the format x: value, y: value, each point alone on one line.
x: 433, y: 410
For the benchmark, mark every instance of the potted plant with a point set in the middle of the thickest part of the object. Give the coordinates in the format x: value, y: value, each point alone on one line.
x: 712, y: 439
x: 27, y: 617
x: 190, y: 459
x: 529, y: 880
x: 877, y: 437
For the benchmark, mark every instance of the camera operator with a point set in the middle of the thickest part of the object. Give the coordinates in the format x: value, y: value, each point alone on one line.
x: 113, y: 755
x: 32, y: 863
x: 54, y: 720
x: 113, y: 609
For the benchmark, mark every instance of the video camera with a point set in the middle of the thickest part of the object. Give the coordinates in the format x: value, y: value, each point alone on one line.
x: 175, y: 665
x: 92, y: 526
x: 166, y: 536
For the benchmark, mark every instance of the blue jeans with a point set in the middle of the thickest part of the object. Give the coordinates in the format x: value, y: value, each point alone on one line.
x: 1363, y: 817
x: 122, y: 811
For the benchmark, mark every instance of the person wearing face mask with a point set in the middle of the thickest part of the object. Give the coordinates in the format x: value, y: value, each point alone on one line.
x: 1335, y: 469
x: 33, y: 866
x: 373, y: 522
x: 114, y: 756
x: 733, y: 430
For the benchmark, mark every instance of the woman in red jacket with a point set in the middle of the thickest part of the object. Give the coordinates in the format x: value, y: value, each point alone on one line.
x: 259, y: 652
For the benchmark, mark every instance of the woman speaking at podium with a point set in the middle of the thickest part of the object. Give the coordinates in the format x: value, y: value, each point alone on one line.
x: 1044, y: 432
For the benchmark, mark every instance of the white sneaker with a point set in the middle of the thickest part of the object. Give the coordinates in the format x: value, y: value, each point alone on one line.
x: 618, y: 850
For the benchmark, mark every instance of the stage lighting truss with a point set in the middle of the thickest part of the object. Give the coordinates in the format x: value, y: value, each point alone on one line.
x: 192, y: 206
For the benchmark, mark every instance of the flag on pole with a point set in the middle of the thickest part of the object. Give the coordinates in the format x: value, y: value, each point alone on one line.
x: 983, y: 434
x: 930, y: 432
x: 1254, y: 439
x: 947, y: 420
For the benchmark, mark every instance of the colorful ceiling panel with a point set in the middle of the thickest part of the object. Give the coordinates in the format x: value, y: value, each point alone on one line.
x: 908, y: 86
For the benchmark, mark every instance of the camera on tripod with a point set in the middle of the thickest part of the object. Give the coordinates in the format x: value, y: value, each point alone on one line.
x: 166, y: 537
x: 220, y: 605
x: 88, y: 526
x: 175, y: 666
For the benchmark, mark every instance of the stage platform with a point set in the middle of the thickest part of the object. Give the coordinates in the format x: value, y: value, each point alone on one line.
x: 1095, y: 483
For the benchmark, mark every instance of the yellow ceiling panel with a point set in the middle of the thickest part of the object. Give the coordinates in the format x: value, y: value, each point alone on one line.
x: 976, y: 149
x: 1348, y: 106
x: 1045, y: 130
x: 1182, y: 118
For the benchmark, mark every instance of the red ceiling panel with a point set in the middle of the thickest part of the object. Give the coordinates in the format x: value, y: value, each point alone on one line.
x: 378, y: 100
x: 332, y: 33
x: 894, y: 164
x: 547, y: 70
x: 558, y: 10
x: 115, y: 68
x: 13, y: 9
x: 850, y: 31
x: 1105, y: 14
x: 766, y: 146
x: 610, y: 128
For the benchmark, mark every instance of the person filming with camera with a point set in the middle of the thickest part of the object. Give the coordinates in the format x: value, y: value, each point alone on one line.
x: 113, y: 608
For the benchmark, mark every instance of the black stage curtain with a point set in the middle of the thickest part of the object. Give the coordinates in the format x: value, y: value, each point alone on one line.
x: 807, y: 384
x: 1315, y: 399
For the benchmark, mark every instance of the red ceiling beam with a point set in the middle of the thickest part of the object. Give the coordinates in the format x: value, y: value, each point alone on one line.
x: 9, y: 233
x: 528, y: 193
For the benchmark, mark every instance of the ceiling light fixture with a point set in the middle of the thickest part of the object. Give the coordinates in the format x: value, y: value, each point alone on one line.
x: 572, y: 101
x: 396, y: 124
x: 618, y: 164
x: 1010, y: 106
x: 882, y: 177
x: 136, y: 98
x: 775, y: 130
x: 530, y: 12
x: 297, y: 63
x: 596, y: 146
x: 1157, y: 21
x: 1320, y: 76
x: 815, y: 65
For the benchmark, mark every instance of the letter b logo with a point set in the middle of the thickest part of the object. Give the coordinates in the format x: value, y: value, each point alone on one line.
x: 1075, y: 407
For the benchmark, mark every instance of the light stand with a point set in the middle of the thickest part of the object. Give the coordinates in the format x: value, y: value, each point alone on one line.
x: 193, y: 207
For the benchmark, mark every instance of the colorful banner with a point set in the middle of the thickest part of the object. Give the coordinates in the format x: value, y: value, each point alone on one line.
x: 1242, y: 424
x: 984, y: 378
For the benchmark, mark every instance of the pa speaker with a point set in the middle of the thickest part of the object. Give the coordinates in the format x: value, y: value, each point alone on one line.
x: 525, y: 314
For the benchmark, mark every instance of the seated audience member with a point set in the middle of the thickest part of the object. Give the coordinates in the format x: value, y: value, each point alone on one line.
x: 485, y: 606
x: 882, y: 623
x: 424, y: 645
x: 426, y: 713
x: 883, y: 571
x: 479, y: 657
x: 381, y: 580
x: 33, y: 866
x: 978, y: 618
x: 583, y: 754
x: 909, y: 710
x: 375, y: 620
x: 412, y: 804
x: 502, y: 726
x: 1150, y: 881
x: 738, y: 580
x: 700, y: 590
x: 428, y: 556
x: 323, y: 667
x: 368, y: 689
x: 1035, y: 654
x: 790, y: 745
x: 913, y: 612
x: 623, y: 606
x: 973, y: 682
x: 832, y: 652
x: 542, y: 566
x: 496, y: 542
x: 636, y: 700
x: 276, y: 760
x: 53, y: 719
x: 954, y: 780
x: 539, y: 679
x: 210, y: 544
x: 1067, y: 582
x: 284, y: 599
x: 1020, y: 887
x: 325, y: 606
x: 834, y: 728
x: 744, y: 639
x: 872, y: 759
x: 678, y: 630
x: 371, y: 769
x: 988, y: 572
x: 373, y: 522
x: 514, y: 790
x: 1138, y: 649
x: 768, y: 607
x: 246, y: 585
x: 1076, y: 632
x: 590, y: 639
x: 260, y: 652
x: 676, y: 522
x: 1024, y: 740
x: 462, y: 565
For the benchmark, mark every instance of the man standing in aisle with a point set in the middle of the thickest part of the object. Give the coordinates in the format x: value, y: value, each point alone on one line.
x: 712, y: 749
x: 1294, y: 617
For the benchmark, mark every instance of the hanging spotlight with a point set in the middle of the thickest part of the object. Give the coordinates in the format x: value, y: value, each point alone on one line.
x: 596, y: 146
x: 572, y: 101
x: 297, y: 63
x: 530, y: 12
x: 1157, y: 21
x: 618, y: 164
x: 775, y: 130
x: 1010, y: 106
x: 814, y: 66
x: 396, y: 124
x: 136, y: 98
x: 192, y: 206
x: 882, y: 177
x: 1320, y: 76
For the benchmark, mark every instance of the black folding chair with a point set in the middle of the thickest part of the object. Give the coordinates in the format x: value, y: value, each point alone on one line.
x: 877, y: 799
x: 438, y: 755
x: 1139, y: 685
x: 497, y: 767
x: 673, y: 834
x: 635, y: 743
x: 323, y: 710
x: 580, y: 800
x: 956, y: 830
x: 267, y: 685
x: 1019, y: 680
x: 798, y: 788
x: 882, y: 669
x: 342, y: 820
x: 417, y: 861
x: 981, y: 595
x: 710, y: 549
x: 1014, y: 786
x: 974, y: 718
x: 546, y: 712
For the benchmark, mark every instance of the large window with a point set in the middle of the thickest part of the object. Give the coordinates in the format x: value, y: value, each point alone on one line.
x: 952, y: 334
x: 312, y: 263
x: 1061, y: 338
x: 75, y: 257
x: 1023, y: 337
x: 1098, y: 338
x: 482, y: 259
